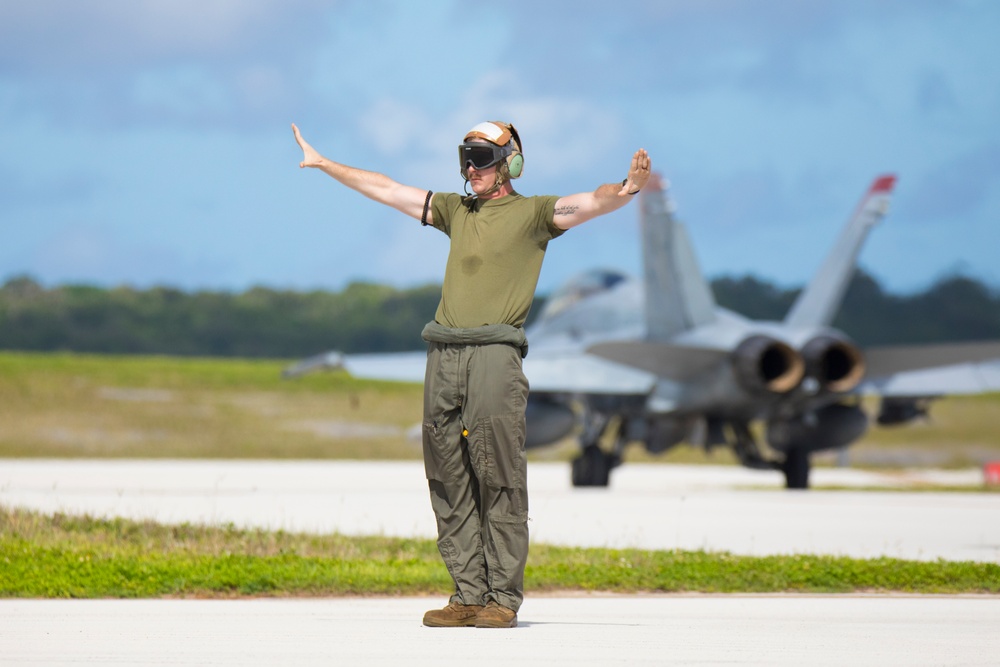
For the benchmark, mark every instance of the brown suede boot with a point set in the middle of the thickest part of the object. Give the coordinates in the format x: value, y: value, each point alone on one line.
x: 496, y: 616
x: 455, y: 615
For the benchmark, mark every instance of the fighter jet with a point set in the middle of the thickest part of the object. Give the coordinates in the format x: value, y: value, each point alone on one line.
x: 615, y: 359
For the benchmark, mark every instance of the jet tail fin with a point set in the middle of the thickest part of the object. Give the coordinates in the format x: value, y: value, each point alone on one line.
x: 819, y: 302
x: 677, y: 296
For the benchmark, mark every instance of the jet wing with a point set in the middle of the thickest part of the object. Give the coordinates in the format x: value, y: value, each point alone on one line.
x: 932, y: 370
x: 953, y: 379
x: 390, y: 366
x: 676, y: 362
x: 574, y: 372
x: 394, y: 366
x: 563, y: 371
x: 885, y: 361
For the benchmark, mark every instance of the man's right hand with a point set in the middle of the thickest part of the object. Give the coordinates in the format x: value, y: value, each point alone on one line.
x: 310, y: 157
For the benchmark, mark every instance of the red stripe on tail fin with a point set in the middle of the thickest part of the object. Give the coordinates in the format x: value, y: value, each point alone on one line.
x: 884, y: 183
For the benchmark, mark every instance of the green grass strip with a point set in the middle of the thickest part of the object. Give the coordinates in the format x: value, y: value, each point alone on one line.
x: 33, y: 571
x: 80, y: 557
x: 635, y: 570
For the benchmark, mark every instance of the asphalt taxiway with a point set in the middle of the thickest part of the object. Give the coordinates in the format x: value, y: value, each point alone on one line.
x: 689, y: 507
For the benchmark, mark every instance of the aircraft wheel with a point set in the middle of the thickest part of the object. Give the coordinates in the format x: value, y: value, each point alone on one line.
x: 592, y: 467
x: 796, y: 468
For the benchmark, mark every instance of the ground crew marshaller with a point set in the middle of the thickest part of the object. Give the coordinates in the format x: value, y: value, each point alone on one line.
x: 475, y: 393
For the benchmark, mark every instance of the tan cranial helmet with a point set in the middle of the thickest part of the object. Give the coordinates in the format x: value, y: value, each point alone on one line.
x: 503, y: 146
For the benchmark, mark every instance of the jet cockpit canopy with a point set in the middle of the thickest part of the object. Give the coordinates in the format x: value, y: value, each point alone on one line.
x: 578, y: 287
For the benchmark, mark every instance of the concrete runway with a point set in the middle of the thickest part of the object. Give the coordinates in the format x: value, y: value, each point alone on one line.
x: 690, y: 507
x: 647, y: 506
x: 650, y: 630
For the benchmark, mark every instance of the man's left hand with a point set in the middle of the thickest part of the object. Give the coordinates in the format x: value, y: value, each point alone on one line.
x: 638, y: 173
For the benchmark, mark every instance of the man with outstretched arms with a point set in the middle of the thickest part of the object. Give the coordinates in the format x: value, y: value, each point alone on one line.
x: 474, y: 391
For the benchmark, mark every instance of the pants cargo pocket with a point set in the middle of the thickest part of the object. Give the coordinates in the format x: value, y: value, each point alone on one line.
x: 433, y: 443
x: 502, y: 456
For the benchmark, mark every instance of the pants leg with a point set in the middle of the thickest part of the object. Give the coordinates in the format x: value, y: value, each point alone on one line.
x: 454, y: 487
x: 494, y: 415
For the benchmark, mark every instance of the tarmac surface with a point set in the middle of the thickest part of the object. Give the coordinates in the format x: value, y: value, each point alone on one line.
x: 651, y: 630
x: 655, y: 506
x: 716, y: 508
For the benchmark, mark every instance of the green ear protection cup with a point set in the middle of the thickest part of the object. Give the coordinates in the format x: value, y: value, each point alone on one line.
x: 515, y: 165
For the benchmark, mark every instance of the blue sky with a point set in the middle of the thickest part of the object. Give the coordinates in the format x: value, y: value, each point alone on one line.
x: 147, y: 142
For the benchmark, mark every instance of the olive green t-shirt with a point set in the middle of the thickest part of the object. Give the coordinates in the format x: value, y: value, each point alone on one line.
x: 497, y: 247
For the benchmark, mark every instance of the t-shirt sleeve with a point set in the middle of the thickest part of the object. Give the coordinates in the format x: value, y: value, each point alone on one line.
x: 545, y: 215
x: 443, y: 207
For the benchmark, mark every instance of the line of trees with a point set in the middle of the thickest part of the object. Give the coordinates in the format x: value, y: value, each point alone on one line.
x: 260, y: 322
x: 956, y: 308
x: 365, y: 317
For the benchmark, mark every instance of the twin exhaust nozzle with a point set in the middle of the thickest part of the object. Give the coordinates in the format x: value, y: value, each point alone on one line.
x: 765, y: 364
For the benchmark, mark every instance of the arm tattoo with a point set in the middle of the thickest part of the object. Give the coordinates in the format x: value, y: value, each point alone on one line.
x: 568, y: 209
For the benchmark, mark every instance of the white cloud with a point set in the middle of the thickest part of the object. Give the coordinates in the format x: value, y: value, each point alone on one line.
x: 107, y: 30
x: 394, y: 127
x: 105, y: 63
x: 562, y: 136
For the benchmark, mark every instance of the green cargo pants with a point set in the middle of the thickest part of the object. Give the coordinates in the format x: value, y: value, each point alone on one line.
x: 473, y: 437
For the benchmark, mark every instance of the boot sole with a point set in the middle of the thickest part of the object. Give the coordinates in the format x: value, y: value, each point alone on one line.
x: 497, y: 624
x: 470, y: 623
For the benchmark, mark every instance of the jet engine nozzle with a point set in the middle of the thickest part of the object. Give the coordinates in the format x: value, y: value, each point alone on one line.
x: 762, y: 363
x: 836, y: 363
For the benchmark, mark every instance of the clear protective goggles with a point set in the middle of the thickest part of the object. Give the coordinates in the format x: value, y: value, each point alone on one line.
x: 481, y: 156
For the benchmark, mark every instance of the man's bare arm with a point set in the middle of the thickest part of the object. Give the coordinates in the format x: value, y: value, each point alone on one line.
x: 577, y: 209
x: 373, y: 185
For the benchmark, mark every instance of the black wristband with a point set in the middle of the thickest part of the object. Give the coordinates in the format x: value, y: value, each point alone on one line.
x: 624, y: 181
x: 427, y: 203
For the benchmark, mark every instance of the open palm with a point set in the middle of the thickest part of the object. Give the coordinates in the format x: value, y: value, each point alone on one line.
x: 310, y: 157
